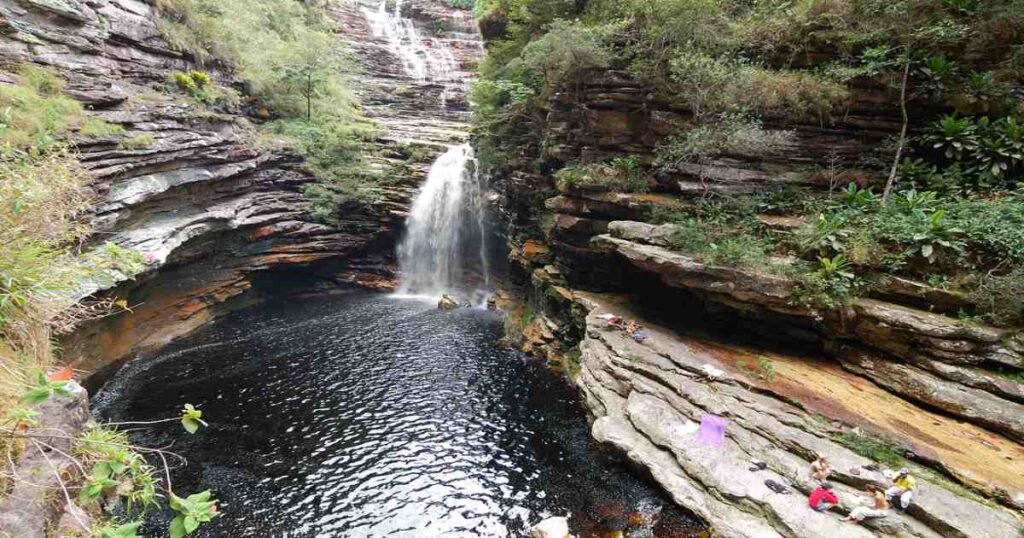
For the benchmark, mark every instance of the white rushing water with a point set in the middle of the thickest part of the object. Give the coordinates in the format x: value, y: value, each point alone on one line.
x: 445, y: 242
x: 435, y: 64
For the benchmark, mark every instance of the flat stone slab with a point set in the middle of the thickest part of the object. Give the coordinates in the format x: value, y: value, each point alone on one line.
x: 649, y: 398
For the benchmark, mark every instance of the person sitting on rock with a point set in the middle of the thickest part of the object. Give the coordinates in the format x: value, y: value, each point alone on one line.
x: 822, y: 499
x: 879, y: 507
x: 820, y: 469
x: 902, y: 489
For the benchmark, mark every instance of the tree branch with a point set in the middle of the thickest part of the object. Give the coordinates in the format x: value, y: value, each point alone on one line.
x: 891, y: 182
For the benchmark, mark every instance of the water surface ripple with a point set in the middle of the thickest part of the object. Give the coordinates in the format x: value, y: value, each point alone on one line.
x: 365, y: 415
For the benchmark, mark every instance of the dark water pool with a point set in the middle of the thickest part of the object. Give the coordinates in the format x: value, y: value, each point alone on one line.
x: 365, y: 415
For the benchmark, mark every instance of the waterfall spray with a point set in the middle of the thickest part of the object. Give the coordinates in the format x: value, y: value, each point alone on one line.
x: 446, y: 223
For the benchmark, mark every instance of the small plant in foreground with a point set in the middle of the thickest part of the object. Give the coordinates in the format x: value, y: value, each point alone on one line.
x: 45, y: 388
x: 193, y: 511
x: 114, y: 530
x: 191, y: 418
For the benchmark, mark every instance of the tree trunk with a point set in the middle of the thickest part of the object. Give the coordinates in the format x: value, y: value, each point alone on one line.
x: 309, y: 97
x: 903, y: 133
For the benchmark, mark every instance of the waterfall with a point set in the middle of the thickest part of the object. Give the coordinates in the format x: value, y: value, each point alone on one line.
x: 435, y: 64
x: 446, y: 236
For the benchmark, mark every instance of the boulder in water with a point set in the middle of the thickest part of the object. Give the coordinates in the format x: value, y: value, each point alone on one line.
x: 447, y: 303
x: 552, y: 527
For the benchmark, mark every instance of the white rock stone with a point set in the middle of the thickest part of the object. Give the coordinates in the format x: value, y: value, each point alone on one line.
x: 552, y: 527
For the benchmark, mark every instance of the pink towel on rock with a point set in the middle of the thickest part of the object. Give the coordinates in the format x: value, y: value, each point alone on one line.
x: 712, y: 430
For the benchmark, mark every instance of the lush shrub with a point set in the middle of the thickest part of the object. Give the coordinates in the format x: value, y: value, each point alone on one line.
x: 618, y: 175
x: 334, y: 153
x: 41, y: 265
x: 721, y: 84
x: 830, y: 283
x: 716, y: 242
x: 565, y: 51
x: 732, y: 135
x: 918, y: 232
x: 990, y: 153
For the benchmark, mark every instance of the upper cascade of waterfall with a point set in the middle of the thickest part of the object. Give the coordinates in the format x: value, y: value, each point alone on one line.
x: 425, y: 59
x: 444, y: 250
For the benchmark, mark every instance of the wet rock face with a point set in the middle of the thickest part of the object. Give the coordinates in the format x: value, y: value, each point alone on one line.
x: 208, y: 210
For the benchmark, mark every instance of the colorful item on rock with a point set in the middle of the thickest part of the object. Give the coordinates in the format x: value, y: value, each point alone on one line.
x: 712, y: 430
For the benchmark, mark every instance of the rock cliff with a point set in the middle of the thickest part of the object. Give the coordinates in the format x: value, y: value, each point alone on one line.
x: 214, y: 210
x: 895, y: 364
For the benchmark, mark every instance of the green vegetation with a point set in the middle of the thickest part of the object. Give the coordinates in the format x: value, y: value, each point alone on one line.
x: 36, y: 116
x: 107, y: 469
x: 138, y: 142
x: 764, y: 371
x: 295, y: 73
x: 946, y: 204
x: 873, y: 448
x: 623, y: 174
x: 45, y: 266
x: 200, y: 86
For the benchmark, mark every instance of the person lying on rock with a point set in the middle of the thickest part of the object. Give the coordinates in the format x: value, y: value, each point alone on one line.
x: 820, y: 469
x: 879, y: 507
x: 902, y: 489
x: 822, y: 499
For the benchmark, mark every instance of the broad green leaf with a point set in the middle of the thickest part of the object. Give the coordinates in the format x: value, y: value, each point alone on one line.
x: 191, y: 425
x: 37, y: 395
x: 202, y: 496
x: 177, y: 528
x: 190, y: 524
x: 101, y: 470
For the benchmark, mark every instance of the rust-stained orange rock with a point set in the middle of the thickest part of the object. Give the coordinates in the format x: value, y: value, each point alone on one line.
x: 534, y: 251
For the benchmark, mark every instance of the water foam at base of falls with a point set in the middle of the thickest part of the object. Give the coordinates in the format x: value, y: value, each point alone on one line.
x: 445, y: 242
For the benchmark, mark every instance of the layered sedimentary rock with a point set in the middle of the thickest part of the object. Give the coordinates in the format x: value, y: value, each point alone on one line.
x: 649, y: 397
x: 210, y: 209
x: 896, y: 364
x: 870, y: 337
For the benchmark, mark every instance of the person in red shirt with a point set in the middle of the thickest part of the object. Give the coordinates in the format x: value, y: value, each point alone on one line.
x: 822, y: 499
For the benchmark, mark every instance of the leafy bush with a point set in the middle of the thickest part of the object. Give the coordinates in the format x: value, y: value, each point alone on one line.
x: 619, y: 175
x: 990, y: 152
x: 710, y: 84
x: 719, y: 243
x: 732, y: 135
x: 565, y: 51
x: 831, y: 284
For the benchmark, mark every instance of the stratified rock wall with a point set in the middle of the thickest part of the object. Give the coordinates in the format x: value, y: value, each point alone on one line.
x: 903, y: 342
x: 208, y: 207
x: 650, y: 397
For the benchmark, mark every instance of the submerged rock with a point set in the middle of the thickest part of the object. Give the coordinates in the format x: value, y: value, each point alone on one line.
x: 447, y: 303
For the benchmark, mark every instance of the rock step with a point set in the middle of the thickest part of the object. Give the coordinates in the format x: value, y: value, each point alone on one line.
x: 649, y: 398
